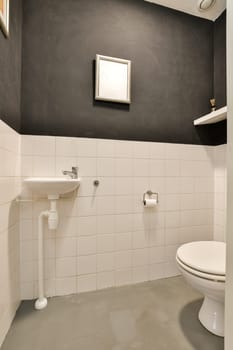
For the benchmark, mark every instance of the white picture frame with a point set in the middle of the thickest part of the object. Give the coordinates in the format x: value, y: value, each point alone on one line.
x: 4, y: 16
x: 113, y: 79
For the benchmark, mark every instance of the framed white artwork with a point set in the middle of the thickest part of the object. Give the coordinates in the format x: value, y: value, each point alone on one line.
x: 113, y: 79
x: 4, y: 16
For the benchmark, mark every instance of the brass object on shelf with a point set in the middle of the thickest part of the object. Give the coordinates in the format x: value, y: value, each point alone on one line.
x: 213, y: 104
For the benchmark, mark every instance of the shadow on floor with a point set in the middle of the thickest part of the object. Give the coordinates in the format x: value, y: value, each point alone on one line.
x: 194, y: 332
x: 26, y: 309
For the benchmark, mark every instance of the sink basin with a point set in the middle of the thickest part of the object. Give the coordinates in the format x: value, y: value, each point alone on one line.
x: 51, y: 186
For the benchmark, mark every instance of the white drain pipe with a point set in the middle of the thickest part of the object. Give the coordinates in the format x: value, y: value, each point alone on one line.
x: 52, y: 216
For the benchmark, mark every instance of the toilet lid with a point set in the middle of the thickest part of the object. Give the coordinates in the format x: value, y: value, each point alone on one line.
x: 207, y: 256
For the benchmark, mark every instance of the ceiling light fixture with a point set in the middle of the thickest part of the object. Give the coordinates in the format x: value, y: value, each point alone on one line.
x: 205, y: 5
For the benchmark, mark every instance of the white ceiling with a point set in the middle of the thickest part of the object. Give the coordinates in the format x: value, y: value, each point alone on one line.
x: 191, y: 7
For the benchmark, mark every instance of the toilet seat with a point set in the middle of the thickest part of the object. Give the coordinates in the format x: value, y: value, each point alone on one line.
x: 205, y: 259
x: 206, y: 276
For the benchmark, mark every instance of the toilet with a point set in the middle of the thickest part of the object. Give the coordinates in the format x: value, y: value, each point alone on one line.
x: 203, y: 266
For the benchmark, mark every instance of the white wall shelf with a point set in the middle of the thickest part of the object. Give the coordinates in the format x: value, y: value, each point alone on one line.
x: 213, y: 117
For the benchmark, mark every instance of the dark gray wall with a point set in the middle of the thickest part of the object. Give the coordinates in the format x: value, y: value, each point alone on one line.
x: 10, y: 68
x: 220, y: 60
x: 220, y: 75
x: 172, y: 70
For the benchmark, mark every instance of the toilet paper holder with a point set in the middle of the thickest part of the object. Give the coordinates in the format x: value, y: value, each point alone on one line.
x: 149, y: 193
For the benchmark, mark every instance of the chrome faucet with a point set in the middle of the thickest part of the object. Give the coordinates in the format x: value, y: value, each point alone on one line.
x: 73, y: 174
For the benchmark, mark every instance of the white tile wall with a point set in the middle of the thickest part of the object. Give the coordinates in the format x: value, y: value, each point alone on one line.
x: 105, y: 236
x: 220, y: 179
x: 9, y: 227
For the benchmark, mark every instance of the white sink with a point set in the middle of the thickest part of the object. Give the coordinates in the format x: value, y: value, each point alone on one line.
x: 51, y: 186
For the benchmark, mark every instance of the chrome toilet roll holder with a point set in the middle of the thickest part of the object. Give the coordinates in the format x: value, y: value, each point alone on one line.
x: 149, y: 193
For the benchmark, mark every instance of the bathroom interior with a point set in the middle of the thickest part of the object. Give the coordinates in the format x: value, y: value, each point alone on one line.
x: 115, y: 174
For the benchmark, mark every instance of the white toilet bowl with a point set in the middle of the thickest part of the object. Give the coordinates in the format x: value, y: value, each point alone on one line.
x: 203, y: 266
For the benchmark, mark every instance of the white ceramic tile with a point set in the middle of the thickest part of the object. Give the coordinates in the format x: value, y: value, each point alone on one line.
x: 86, y: 226
x: 172, y: 219
x: 156, y: 271
x: 86, y: 245
x: 50, y: 269
x: 138, y: 205
x: 105, y: 224
x: 172, y: 202
x: 68, y: 227
x: 86, y: 166
x: 187, y: 201
x: 141, y: 167
x: 156, y: 237
x: 38, y: 145
x: 26, y: 290
x: 105, y: 205
x: 106, y: 167
x: 106, y: 186
x: 123, y: 241
x: 156, y: 255
x: 140, y: 274
x: 86, y: 206
x: 27, y: 251
x: 50, y: 287
x: 105, y: 262
x: 123, y: 277
x: 123, y: 259
x: 87, y: 147
x: 187, y: 185
x: 105, y: 243
x: 124, y: 223
x: 124, y: 186
x: 43, y: 166
x: 173, y: 151
x: 26, y: 229
x: 118, y: 240
x: 172, y: 236
x: 141, y: 149
x: 124, y: 167
x: 87, y: 188
x: 10, y: 161
x: 141, y: 185
x: 141, y: 222
x: 171, y: 270
x: 189, y: 168
x: 27, y: 166
x: 106, y: 148
x: 140, y: 257
x: 64, y: 163
x: 156, y: 168
x: 124, y: 205
x: 173, y: 185
x: 65, y: 247
x: 49, y: 248
x: 157, y: 150
x: 65, y: 286
x: 170, y: 252
x: 27, y: 272
x: 105, y: 279
x: 139, y: 239
x: 86, y: 283
x: 66, y: 146
x: 124, y: 149
x: 157, y: 184
x: 65, y: 267
x: 25, y: 210
x: 172, y: 167
x: 156, y: 219
x: 86, y: 264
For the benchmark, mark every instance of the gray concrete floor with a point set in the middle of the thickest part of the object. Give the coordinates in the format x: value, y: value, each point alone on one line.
x: 155, y: 315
